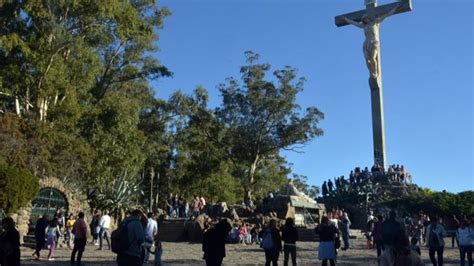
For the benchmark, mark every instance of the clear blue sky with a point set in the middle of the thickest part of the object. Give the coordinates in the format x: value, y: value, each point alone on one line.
x: 427, y: 61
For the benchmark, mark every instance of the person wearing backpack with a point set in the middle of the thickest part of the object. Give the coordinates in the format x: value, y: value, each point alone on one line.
x: 271, y: 243
x: 127, y: 240
x: 465, y: 239
x: 434, y: 236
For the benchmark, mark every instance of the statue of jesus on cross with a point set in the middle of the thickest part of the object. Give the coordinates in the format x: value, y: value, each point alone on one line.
x: 371, y: 46
x: 369, y: 19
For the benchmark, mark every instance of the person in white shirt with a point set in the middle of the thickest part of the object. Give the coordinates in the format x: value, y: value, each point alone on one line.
x: 150, y: 232
x: 104, y: 224
x: 465, y: 237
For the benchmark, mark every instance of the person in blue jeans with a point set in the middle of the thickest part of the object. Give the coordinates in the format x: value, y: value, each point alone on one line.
x: 465, y: 239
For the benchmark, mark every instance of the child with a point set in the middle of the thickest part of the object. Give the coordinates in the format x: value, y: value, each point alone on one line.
x: 52, y: 232
x: 158, y: 250
x: 69, y: 237
x: 414, y: 245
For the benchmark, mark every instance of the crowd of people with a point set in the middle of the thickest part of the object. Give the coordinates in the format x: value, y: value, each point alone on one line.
x: 394, y: 173
x: 383, y: 234
x: 396, y: 240
x: 178, y: 207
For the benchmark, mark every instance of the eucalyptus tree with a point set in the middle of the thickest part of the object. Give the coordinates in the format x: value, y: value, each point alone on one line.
x: 261, y: 117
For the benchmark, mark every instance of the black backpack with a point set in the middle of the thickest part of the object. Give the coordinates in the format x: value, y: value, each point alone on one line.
x: 119, y: 238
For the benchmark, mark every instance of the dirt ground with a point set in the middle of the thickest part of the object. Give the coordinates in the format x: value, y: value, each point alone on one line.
x: 184, y: 253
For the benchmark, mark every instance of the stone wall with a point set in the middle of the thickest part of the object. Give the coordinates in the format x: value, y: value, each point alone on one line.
x: 22, y: 220
x: 76, y: 203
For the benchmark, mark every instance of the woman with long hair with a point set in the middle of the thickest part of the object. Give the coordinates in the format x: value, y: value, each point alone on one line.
x: 327, y: 238
x: 289, y: 235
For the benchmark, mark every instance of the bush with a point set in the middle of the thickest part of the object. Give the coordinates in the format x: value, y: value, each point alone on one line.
x: 17, y: 188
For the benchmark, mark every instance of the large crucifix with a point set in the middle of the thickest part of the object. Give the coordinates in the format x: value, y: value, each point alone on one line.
x: 369, y: 20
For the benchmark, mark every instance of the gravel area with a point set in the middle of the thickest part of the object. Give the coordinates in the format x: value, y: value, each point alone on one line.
x: 183, y: 253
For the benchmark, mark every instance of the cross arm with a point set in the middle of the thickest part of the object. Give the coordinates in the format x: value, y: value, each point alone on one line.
x: 403, y: 6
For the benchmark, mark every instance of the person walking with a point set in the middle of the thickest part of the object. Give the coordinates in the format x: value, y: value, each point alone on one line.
x: 80, y: 239
x: 465, y: 239
x: 40, y: 235
x: 271, y: 243
x: 345, y: 230
x: 434, y: 237
x: 104, y: 224
x: 52, y: 232
x: 132, y: 255
x: 377, y: 234
x: 150, y: 232
x: 213, y: 243
x: 289, y: 235
x: 327, y: 241
x: 9, y: 243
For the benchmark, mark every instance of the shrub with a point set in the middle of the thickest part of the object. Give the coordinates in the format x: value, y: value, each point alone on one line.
x: 17, y: 188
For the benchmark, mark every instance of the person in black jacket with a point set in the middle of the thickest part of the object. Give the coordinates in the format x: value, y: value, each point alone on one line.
x: 272, y: 251
x: 289, y: 235
x: 213, y: 243
x: 9, y: 243
x: 40, y: 235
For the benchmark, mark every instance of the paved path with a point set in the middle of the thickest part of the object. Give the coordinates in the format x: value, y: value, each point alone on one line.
x: 190, y: 254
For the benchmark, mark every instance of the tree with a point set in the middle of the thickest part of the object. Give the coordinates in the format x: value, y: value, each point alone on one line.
x: 17, y: 188
x: 262, y: 117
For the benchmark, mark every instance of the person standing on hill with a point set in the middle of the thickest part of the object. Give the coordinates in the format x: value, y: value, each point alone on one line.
x: 289, y: 235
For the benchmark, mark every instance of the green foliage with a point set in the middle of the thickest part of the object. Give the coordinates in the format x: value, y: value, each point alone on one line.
x: 17, y: 188
x: 437, y: 203
x: 122, y: 194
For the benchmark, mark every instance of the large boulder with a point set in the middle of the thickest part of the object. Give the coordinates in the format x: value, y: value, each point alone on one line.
x: 243, y: 210
x: 233, y: 214
x: 194, y: 229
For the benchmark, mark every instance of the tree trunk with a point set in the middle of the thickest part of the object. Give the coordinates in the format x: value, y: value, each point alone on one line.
x: 17, y: 106
x: 251, y: 179
x: 152, y: 176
